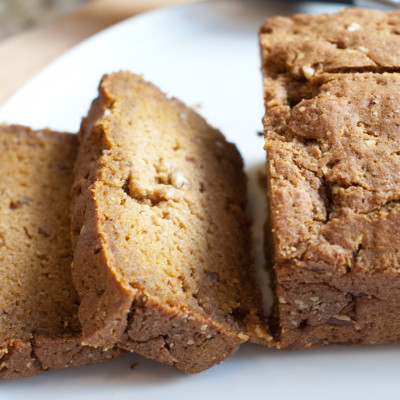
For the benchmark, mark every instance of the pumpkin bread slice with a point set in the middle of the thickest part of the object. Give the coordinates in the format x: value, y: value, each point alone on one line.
x: 162, y: 244
x: 39, y: 326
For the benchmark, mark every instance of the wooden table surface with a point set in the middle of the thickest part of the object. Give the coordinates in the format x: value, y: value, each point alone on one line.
x: 23, y: 55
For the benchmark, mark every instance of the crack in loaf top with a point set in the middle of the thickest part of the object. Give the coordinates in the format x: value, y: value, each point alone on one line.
x: 354, y: 39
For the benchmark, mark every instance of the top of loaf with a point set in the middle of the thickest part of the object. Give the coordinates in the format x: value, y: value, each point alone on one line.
x: 306, y: 45
x: 37, y: 296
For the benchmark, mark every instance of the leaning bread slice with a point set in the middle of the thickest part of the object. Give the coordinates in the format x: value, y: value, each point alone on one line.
x: 39, y: 326
x: 162, y: 245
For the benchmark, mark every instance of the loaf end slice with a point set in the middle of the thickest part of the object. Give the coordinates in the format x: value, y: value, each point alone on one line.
x: 162, y: 244
x: 39, y: 326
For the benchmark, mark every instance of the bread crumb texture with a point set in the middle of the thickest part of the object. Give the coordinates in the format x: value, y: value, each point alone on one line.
x: 39, y: 326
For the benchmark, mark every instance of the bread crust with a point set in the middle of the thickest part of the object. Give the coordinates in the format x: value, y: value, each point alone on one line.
x: 40, y: 328
x: 331, y: 140
x: 26, y: 358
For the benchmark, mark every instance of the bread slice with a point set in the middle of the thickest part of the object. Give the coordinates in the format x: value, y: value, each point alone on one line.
x: 39, y: 326
x: 162, y: 245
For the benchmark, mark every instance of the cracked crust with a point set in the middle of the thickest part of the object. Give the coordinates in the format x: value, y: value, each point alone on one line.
x: 39, y: 327
x: 333, y: 183
x: 306, y: 45
x: 162, y: 245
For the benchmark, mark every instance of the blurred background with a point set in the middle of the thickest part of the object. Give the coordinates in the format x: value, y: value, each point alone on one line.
x: 17, y: 15
x: 35, y: 32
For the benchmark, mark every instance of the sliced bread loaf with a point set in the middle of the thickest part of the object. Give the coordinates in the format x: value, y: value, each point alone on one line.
x: 162, y: 244
x: 39, y: 326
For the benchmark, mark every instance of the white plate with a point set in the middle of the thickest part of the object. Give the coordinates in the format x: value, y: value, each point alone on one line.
x: 207, y: 55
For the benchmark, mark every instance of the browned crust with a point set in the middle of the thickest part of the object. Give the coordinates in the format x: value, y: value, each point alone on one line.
x: 333, y: 237
x: 187, y: 341
x: 20, y: 359
x: 99, y: 288
x: 112, y: 310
